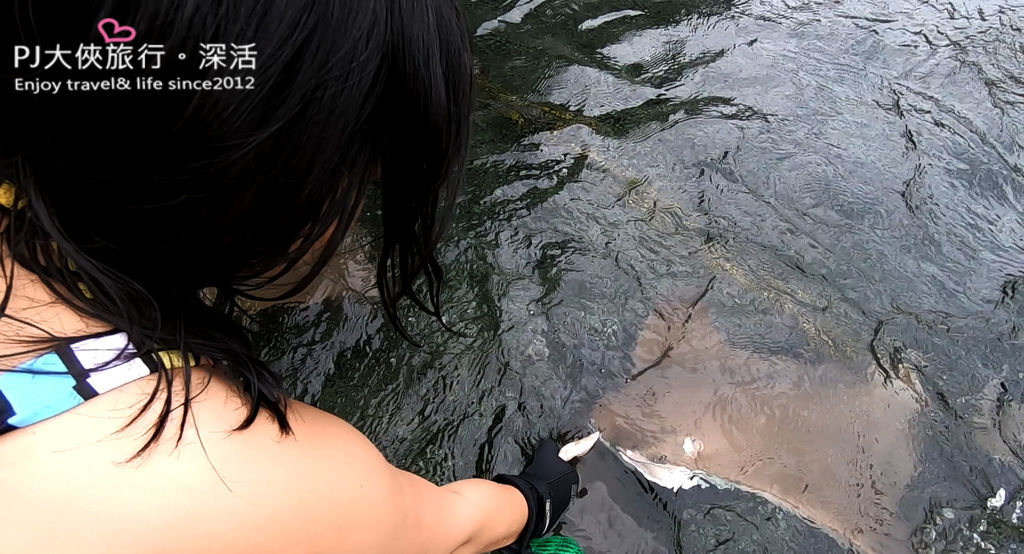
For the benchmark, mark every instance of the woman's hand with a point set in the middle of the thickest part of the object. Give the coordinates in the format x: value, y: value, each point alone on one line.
x: 549, y: 485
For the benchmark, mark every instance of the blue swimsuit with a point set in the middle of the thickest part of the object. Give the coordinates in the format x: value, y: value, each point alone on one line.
x: 64, y: 379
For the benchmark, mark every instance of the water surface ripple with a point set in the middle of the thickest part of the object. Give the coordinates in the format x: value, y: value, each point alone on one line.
x: 851, y: 174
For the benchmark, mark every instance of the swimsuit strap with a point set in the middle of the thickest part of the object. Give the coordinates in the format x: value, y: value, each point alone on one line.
x: 8, y: 194
x: 72, y: 374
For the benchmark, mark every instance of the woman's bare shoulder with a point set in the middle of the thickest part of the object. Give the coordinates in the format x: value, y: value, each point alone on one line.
x: 71, y: 479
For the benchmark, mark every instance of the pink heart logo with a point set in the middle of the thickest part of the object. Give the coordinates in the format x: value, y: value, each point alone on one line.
x: 118, y: 28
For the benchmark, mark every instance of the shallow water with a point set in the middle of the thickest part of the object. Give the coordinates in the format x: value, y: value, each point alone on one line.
x: 850, y: 173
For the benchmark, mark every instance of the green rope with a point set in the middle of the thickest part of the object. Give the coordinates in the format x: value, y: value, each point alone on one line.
x: 555, y: 545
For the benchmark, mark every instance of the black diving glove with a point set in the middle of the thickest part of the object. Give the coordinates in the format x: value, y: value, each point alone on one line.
x: 549, y: 485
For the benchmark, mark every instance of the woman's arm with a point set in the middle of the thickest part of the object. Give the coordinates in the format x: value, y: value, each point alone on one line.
x: 326, y: 489
x: 331, y: 490
x: 473, y: 515
x: 469, y: 516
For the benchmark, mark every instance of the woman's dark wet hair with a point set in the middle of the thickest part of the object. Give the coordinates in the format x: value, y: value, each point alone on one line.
x: 150, y: 198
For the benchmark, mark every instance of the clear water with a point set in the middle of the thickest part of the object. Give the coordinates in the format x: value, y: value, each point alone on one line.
x: 852, y: 175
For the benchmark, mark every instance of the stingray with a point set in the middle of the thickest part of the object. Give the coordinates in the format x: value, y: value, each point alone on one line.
x: 830, y: 443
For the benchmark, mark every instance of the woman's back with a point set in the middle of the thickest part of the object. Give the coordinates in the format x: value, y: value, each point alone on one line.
x: 72, y: 483
x: 216, y: 491
x: 68, y: 487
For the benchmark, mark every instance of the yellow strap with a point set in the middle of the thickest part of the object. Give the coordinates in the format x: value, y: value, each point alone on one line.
x: 174, y: 359
x: 85, y: 291
x: 7, y: 195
